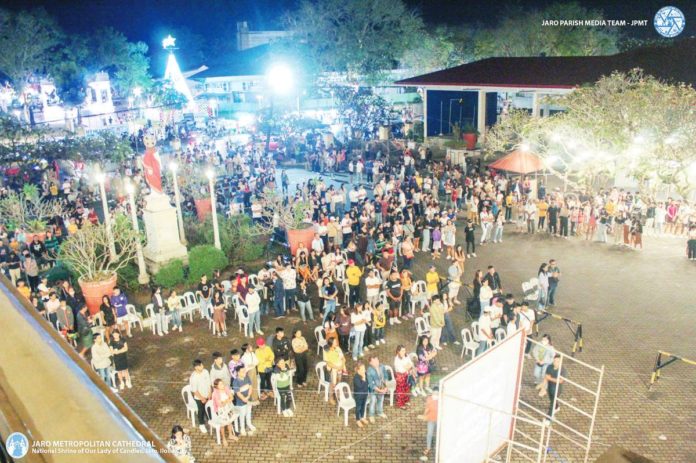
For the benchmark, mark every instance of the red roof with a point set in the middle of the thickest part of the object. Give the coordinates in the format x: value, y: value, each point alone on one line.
x: 676, y: 63
x: 519, y: 162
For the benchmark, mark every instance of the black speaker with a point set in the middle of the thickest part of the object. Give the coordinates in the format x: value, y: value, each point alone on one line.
x: 617, y: 454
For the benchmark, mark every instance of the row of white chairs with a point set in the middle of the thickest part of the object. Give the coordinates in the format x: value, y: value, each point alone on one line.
x: 471, y: 338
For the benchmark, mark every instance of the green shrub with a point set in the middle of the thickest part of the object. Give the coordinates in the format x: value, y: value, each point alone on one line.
x: 128, y: 277
x: 170, y: 275
x: 58, y: 272
x: 455, y: 144
x: 250, y: 252
x: 203, y: 260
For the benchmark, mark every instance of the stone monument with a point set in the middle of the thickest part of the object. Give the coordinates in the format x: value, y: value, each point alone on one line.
x: 161, y: 227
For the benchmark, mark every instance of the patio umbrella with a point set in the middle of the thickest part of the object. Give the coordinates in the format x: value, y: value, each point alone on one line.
x: 519, y: 162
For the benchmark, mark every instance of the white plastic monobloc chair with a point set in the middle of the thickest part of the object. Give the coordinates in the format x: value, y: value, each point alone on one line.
x: 468, y: 343
x: 216, y: 421
x: 390, y: 383
x: 191, y: 408
x: 186, y: 309
x: 346, y: 402
x: 150, y: 313
x: 422, y: 328
x: 419, y: 296
x: 243, y: 318
x: 192, y: 302
x: 276, y: 394
x: 323, y: 382
x: 321, y: 340
x: 133, y: 317
x: 499, y: 335
x: 346, y: 292
x: 475, y: 331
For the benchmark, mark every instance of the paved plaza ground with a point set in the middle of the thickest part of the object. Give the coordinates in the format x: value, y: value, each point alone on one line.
x: 631, y: 305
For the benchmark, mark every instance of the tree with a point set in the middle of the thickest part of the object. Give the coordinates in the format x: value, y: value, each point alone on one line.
x: 435, y: 51
x: 126, y: 62
x: 27, y: 41
x: 523, y: 33
x: 626, y: 123
x: 360, y: 37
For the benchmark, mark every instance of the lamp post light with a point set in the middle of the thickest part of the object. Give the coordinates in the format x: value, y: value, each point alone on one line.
x: 143, y: 277
x: 173, y: 167
x: 213, y: 203
x: 280, y: 81
x: 101, y: 180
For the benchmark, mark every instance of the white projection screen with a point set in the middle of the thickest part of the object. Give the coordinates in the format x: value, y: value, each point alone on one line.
x: 477, y: 403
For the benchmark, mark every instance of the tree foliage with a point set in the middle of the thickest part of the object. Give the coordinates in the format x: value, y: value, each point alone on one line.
x: 442, y: 48
x: 359, y: 37
x: 627, y: 123
x: 522, y: 33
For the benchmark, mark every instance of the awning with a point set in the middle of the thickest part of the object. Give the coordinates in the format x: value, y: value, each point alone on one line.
x: 519, y: 162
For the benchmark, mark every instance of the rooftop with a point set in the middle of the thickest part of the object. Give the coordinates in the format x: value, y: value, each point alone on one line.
x: 675, y: 63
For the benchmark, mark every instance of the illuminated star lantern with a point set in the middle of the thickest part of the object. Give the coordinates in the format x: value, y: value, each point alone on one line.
x: 168, y: 42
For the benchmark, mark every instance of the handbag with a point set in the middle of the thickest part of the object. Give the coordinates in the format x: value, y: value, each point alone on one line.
x: 422, y: 367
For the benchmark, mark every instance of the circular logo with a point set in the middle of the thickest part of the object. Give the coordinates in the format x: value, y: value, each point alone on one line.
x: 669, y: 21
x: 17, y: 445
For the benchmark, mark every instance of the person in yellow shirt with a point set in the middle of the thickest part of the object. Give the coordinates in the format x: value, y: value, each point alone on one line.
x: 265, y: 368
x: 379, y: 320
x: 335, y: 363
x: 72, y: 227
x: 406, y: 284
x: 542, y: 208
x: 23, y: 289
x: 431, y: 281
x: 353, y: 274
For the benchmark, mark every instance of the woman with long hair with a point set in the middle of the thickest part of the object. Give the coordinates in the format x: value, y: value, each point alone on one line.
x: 179, y: 445
x: 426, y: 355
x: 460, y: 258
x: 403, y: 369
x: 108, y: 314
x: 299, y: 350
x: 223, y: 406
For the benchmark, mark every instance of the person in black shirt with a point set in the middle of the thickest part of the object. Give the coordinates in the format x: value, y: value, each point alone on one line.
x: 554, y: 380
x: 205, y: 292
x: 13, y: 267
x: 38, y: 250
x: 470, y: 240
x: 493, y: 280
x: 280, y: 345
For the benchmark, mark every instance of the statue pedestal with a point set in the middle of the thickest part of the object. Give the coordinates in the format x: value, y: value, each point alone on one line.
x: 161, y: 227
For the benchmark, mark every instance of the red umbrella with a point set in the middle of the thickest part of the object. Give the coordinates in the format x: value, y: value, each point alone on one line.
x: 519, y: 162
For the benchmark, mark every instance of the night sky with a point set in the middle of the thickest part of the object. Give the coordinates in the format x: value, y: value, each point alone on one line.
x: 150, y: 20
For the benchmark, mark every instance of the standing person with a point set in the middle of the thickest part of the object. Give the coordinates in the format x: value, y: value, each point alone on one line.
x: 486, y: 336
x: 84, y: 330
x: 336, y: 364
x: 437, y: 321
x: 289, y: 276
x: 470, y: 239
x: 160, y: 312
x: 377, y: 387
x: 554, y: 380
x: 543, y: 278
x: 329, y: 293
x: 691, y: 243
x: 426, y: 353
x: 304, y: 303
x: 454, y: 281
x: 360, y: 394
x: 299, y: 350
x: 543, y: 355
x: 353, y: 274
x: 636, y: 233
x: 379, y: 320
x: 200, y: 388
x: 251, y: 363
x: 218, y: 370
x: 108, y: 314
x: 242, y: 399
x: 430, y: 417
x: 253, y: 303
x: 265, y: 357
x: 101, y: 360
x: 373, y: 284
x: 278, y: 296
x: 394, y: 296
x: 174, y: 305
x: 204, y: 292
x: 357, y: 319
x: 554, y: 277
x: 403, y: 372
x: 219, y: 313
x: 341, y: 327
x: 119, y: 352
x: 280, y: 345
x: 119, y: 301
x: 499, y: 227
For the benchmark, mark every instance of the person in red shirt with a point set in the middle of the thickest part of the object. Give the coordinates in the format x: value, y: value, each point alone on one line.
x: 430, y: 417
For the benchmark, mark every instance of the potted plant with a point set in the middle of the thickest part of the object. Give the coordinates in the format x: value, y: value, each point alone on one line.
x: 201, y: 197
x: 28, y: 211
x: 292, y: 216
x: 470, y: 136
x: 87, y: 254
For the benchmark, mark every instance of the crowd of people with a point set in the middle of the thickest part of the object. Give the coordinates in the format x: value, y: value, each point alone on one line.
x: 356, y: 280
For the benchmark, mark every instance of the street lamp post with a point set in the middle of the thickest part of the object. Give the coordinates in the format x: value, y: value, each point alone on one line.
x: 143, y: 277
x: 101, y: 179
x: 213, y: 203
x: 173, y: 166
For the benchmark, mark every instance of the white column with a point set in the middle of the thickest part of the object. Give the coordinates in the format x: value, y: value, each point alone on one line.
x: 143, y: 277
x: 177, y: 199
x: 481, y: 120
x: 535, y: 104
x: 213, y: 204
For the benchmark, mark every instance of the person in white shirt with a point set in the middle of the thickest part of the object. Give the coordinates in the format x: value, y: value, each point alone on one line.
x: 250, y: 362
x: 346, y: 228
x: 289, y: 276
x: 485, y: 332
x: 201, y: 387
x: 253, y: 303
x: 373, y: 284
x: 318, y: 243
x: 496, y: 314
x: 218, y: 370
x: 357, y: 320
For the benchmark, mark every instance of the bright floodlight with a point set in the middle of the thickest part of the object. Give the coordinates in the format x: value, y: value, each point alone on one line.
x: 210, y: 174
x: 524, y: 147
x: 173, y: 166
x: 280, y: 78
x: 137, y: 91
x: 129, y: 187
x: 100, y: 177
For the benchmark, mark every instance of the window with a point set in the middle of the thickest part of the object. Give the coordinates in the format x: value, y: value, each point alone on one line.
x: 93, y: 94
x: 104, y: 96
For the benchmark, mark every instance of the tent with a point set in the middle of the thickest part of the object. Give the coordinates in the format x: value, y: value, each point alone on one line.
x: 519, y: 162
